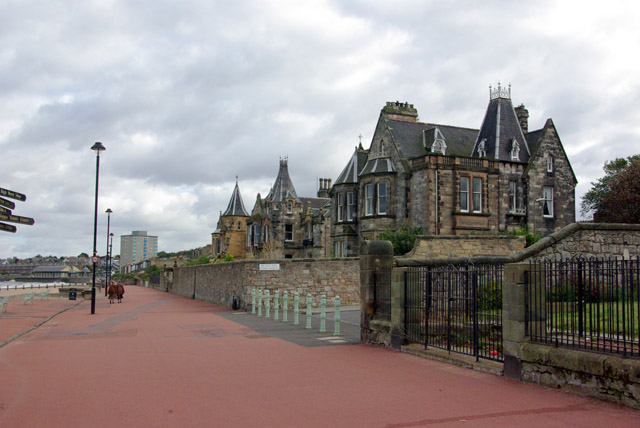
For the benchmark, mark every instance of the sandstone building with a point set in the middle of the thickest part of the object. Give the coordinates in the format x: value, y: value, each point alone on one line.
x: 451, y: 180
x: 230, y: 235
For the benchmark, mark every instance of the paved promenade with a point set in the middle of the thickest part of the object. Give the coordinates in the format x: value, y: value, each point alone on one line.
x: 158, y: 360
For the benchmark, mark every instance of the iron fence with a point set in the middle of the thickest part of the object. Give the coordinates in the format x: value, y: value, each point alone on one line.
x: 589, y: 304
x: 382, y: 293
x: 456, y: 307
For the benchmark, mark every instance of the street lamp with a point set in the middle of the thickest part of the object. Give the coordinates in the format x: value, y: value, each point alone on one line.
x: 98, y: 147
x: 106, y: 271
x: 110, y: 258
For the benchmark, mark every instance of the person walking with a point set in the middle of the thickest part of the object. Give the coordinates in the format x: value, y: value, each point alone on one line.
x: 120, y: 291
x: 112, y: 291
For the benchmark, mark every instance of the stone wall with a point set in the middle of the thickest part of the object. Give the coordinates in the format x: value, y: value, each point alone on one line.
x: 466, y: 246
x: 220, y: 282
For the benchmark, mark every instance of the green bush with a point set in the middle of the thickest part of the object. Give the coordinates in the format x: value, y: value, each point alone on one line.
x: 567, y: 291
x: 402, y: 240
x: 489, y: 297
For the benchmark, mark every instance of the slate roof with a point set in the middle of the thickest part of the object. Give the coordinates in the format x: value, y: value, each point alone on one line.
x: 499, y: 129
x: 410, y: 141
x: 283, y: 187
x: 49, y: 269
x: 349, y: 174
x: 378, y: 165
x: 235, y: 207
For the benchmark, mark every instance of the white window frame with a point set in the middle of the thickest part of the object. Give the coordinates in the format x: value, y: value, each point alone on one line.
x: 340, y: 207
x: 287, y: 233
x: 351, y: 205
x: 515, y: 151
x: 481, y: 149
x: 547, y: 202
x: 464, y: 194
x: 513, y: 196
x: 477, y: 193
x: 368, y: 195
x: 381, y: 205
x: 550, y: 164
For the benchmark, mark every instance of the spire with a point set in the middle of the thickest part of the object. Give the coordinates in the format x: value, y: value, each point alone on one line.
x: 235, y: 207
x: 501, y: 136
x: 283, y: 187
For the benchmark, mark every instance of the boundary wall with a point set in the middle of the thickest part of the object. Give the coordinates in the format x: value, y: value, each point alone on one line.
x: 219, y: 283
x: 607, y: 377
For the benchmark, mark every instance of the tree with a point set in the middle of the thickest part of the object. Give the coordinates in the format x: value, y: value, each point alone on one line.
x: 402, y: 240
x: 83, y: 256
x: 621, y: 204
x: 600, y: 189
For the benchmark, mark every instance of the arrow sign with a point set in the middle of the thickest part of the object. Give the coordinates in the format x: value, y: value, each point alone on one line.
x: 17, y: 219
x: 13, y: 195
x: 8, y: 204
x: 7, y: 228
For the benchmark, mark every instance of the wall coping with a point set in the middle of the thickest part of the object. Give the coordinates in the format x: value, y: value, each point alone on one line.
x: 268, y: 261
x: 527, y: 253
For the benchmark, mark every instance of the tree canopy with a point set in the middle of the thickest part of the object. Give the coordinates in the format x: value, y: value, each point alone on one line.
x: 615, y: 197
x: 402, y: 240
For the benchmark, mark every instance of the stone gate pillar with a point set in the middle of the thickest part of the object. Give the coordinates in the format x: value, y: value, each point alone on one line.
x: 373, y: 255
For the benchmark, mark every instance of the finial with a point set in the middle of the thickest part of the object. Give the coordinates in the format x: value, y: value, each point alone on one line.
x: 499, y: 92
x: 360, y: 137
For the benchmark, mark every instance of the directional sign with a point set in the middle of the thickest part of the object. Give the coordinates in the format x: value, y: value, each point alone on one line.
x: 8, y: 204
x: 7, y: 228
x: 5, y: 211
x: 17, y: 219
x: 13, y: 195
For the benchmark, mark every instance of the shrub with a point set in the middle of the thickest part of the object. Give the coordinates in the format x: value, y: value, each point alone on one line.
x: 489, y: 297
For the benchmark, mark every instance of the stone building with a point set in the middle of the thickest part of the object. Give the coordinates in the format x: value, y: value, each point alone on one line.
x: 285, y: 225
x: 451, y: 180
x: 231, y: 234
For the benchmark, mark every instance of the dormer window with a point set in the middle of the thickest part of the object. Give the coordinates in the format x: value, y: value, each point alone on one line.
x: 550, y: 164
x: 482, y: 151
x: 289, y: 207
x: 515, y: 150
x: 383, y: 149
x: 439, y: 146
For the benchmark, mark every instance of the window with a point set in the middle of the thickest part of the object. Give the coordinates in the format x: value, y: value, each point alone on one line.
x: 289, y: 207
x: 439, y: 146
x: 368, y: 195
x: 513, y: 196
x: 217, y: 245
x: 340, y: 249
x: 351, y: 206
x: 344, y: 249
x: 288, y: 232
x: 547, y: 201
x: 464, y: 194
x: 515, y: 150
x: 250, y: 235
x: 340, y: 207
x: 309, y: 230
x: 266, y: 233
x: 382, y: 198
x: 482, y: 151
x: 477, y: 195
x: 550, y: 164
x: 239, y: 226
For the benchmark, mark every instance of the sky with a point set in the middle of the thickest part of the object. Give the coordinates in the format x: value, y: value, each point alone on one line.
x: 188, y: 95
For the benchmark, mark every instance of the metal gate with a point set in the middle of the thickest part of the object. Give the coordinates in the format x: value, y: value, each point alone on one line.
x: 456, y: 307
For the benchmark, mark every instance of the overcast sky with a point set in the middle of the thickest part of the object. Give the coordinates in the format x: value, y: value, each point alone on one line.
x: 187, y: 95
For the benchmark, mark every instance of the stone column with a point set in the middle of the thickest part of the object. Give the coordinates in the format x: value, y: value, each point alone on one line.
x: 373, y: 255
x: 513, y: 317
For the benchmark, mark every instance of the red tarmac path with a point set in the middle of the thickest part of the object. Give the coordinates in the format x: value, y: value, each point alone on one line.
x: 159, y: 360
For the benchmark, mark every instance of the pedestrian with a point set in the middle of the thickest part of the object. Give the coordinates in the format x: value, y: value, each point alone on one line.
x: 120, y: 292
x: 112, y: 291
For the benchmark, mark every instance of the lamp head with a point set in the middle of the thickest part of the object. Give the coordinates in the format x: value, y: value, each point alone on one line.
x: 108, y: 211
x: 98, y: 147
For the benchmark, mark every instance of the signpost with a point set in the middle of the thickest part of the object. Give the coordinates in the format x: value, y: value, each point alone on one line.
x: 7, y: 228
x: 6, y: 214
x: 7, y: 203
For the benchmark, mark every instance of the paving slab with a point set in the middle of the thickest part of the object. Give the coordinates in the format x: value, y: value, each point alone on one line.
x: 158, y: 360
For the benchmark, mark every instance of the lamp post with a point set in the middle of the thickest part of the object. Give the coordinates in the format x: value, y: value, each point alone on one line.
x: 106, y: 270
x: 110, y: 258
x: 98, y: 147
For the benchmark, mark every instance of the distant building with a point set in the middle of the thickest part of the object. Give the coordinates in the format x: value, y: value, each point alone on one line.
x: 231, y: 234
x: 136, y: 248
x: 285, y: 225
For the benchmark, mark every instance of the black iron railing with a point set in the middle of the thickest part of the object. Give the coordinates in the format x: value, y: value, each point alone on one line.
x: 456, y: 307
x: 590, y: 304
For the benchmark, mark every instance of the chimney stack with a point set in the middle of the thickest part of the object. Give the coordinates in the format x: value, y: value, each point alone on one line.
x: 324, y: 185
x: 523, y: 117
